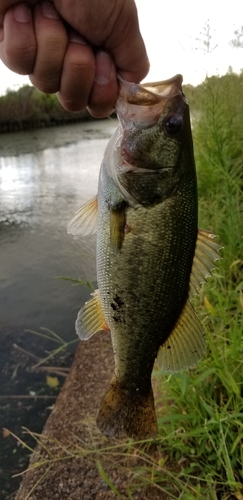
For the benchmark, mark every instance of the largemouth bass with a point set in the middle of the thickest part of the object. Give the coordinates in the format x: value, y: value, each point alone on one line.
x: 151, y: 257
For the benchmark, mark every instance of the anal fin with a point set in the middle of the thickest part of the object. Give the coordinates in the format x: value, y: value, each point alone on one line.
x: 90, y: 318
x: 185, y: 345
x: 85, y: 219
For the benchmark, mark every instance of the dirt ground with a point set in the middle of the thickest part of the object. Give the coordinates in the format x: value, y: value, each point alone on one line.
x: 66, y: 473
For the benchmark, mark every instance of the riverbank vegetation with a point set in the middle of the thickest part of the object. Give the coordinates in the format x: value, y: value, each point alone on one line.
x: 28, y: 108
x: 199, y: 451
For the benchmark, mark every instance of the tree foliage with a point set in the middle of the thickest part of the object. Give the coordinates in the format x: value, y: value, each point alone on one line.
x: 30, y: 108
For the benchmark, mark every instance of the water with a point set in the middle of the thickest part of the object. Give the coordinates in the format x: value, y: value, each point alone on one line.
x: 45, y: 176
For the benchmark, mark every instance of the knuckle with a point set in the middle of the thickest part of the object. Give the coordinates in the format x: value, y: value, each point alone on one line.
x: 46, y: 85
x: 80, y: 60
x: 82, y: 67
x: 20, y: 58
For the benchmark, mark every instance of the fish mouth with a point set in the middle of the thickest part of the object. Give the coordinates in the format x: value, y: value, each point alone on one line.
x: 143, y: 104
x: 149, y: 94
x: 127, y: 168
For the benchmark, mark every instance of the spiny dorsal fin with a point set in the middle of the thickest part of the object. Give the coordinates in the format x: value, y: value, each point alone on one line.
x: 185, y: 345
x: 206, y: 253
x: 85, y: 219
x: 90, y: 318
x: 117, y: 225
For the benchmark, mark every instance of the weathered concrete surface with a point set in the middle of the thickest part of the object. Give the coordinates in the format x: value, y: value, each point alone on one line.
x: 68, y: 474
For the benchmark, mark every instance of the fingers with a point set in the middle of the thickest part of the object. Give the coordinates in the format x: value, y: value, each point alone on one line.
x: 51, y: 40
x: 57, y: 61
x: 18, y: 48
x: 6, y: 4
x: 105, y: 87
x: 127, y: 46
x: 88, y: 80
x: 114, y: 26
x: 37, y: 43
x: 78, y: 73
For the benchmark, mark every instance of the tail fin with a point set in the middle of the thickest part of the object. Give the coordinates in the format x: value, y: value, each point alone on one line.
x: 124, y: 413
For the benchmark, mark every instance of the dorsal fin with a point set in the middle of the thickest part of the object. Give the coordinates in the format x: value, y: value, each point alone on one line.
x: 85, y: 219
x: 206, y: 253
x: 90, y: 318
x: 185, y: 345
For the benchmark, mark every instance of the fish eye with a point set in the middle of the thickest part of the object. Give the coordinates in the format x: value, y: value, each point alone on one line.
x: 173, y: 124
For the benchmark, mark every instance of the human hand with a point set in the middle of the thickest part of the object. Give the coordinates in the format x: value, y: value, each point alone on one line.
x: 79, y: 60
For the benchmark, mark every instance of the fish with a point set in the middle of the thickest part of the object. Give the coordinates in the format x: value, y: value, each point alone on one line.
x: 151, y: 257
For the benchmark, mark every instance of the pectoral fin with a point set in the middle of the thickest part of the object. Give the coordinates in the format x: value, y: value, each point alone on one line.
x: 117, y: 225
x: 90, y: 318
x: 185, y: 345
x: 206, y: 253
x: 85, y: 219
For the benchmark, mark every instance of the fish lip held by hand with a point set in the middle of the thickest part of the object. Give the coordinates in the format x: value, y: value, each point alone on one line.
x: 151, y: 257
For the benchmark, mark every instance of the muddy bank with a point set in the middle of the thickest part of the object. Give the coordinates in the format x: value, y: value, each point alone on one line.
x: 68, y: 474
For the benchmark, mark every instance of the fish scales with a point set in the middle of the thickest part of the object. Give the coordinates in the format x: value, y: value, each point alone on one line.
x: 147, y: 251
x: 141, y: 274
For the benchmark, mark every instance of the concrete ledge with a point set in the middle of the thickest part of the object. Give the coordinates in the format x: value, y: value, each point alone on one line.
x: 69, y: 427
x: 57, y: 469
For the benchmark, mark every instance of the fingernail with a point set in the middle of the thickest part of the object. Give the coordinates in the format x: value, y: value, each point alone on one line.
x: 103, y: 68
x: 48, y: 10
x: 22, y: 13
x: 75, y: 37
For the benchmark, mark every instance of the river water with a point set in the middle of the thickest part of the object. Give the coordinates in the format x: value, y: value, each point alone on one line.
x: 45, y: 176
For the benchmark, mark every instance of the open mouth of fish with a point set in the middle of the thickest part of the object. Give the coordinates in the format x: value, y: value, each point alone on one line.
x: 148, y: 94
x: 143, y: 104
